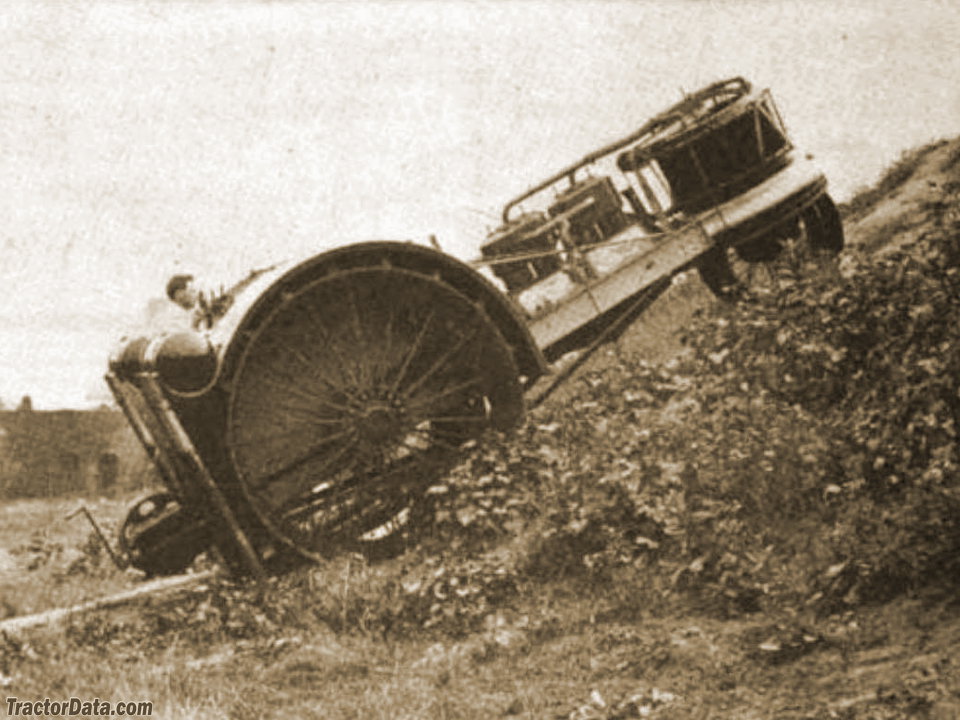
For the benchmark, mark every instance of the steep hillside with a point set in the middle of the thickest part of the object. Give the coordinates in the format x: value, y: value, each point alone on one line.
x: 745, y: 511
x: 897, y: 210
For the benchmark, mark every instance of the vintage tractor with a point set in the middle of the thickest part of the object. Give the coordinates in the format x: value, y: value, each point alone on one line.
x: 330, y: 394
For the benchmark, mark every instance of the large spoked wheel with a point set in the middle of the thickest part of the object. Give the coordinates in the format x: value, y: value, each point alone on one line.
x: 356, y: 393
x: 807, y: 244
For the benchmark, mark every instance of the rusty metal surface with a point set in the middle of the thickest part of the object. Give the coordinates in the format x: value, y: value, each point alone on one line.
x: 633, y: 260
x: 199, y: 474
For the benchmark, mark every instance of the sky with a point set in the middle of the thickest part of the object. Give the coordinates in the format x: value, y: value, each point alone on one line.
x: 140, y: 139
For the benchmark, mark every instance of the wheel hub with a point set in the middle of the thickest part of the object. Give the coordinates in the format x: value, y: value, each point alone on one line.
x: 379, y: 423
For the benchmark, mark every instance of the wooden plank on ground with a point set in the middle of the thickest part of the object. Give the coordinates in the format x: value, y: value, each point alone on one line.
x: 151, y: 588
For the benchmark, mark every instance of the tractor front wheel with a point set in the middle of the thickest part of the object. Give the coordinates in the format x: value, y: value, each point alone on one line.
x: 807, y: 244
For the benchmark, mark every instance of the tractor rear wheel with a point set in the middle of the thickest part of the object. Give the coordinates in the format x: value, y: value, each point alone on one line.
x: 357, y: 392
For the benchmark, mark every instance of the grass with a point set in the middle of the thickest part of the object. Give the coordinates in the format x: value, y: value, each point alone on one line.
x: 510, y: 669
x: 559, y: 648
x: 560, y: 651
x: 50, y: 560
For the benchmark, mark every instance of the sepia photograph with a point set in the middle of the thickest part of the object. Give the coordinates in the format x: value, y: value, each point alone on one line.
x: 441, y: 359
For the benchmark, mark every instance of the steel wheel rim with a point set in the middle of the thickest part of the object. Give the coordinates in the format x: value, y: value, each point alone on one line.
x: 357, y: 393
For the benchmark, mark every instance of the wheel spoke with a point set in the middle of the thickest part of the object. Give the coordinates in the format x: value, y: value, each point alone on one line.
x: 292, y: 386
x: 347, y: 527
x: 295, y: 509
x: 387, y: 345
x: 336, y: 501
x: 309, y: 414
x: 314, y: 369
x: 367, y: 485
x: 365, y: 372
x: 429, y: 400
x: 359, y: 391
x: 314, y: 452
x: 296, y: 499
x: 287, y: 433
x: 313, y: 314
x: 438, y: 363
x: 411, y: 352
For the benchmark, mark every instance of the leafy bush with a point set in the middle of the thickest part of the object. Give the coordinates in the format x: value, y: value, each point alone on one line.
x: 876, y: 359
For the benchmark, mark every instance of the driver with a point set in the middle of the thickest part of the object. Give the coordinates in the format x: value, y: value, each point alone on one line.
x: 182, y: 291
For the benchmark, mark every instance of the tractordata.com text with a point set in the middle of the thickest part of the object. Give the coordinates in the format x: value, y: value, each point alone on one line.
x: 76, y: 707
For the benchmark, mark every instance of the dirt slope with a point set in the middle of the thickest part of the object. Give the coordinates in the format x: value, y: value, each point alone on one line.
x: 898, y: 209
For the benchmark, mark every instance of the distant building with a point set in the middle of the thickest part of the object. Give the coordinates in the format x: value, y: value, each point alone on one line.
x: 44, y: 453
